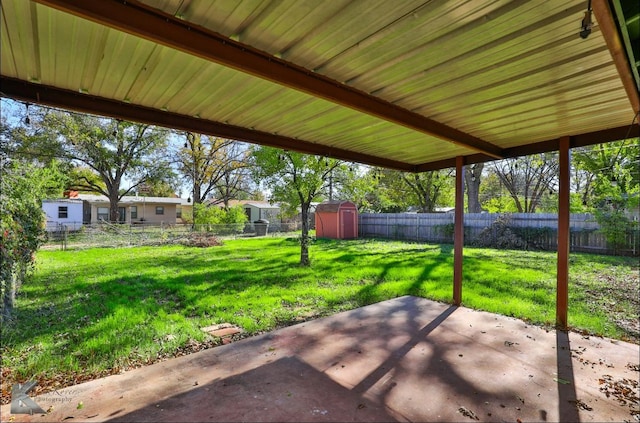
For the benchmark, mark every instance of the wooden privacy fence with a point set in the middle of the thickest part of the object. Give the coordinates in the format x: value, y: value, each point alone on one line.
x: 539, y: 229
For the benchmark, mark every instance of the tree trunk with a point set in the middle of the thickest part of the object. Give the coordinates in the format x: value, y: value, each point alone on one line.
x: 472, y: 176
x: 197, y: 193
x: 113, y: 207
x: 304, y: 241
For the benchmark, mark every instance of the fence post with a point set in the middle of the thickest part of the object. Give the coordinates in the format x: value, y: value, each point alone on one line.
x: 388, y: 236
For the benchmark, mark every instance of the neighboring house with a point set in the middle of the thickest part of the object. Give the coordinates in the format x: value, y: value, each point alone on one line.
x: 184, y: 210
x: 63, y: 213
x: 132, y: 209
x: 256, y: 210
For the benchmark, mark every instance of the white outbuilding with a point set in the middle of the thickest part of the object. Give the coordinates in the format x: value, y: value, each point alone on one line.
x: 63, y: 214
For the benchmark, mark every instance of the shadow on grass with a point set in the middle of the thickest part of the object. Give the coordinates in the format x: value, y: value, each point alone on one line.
x: 256, y: 281
x: 74, y: 298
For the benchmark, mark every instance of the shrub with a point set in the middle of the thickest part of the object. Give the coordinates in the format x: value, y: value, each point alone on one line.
x: 22, y: 222
x: 614, y: 225
x: 219, y: 220
x: 500, y: 235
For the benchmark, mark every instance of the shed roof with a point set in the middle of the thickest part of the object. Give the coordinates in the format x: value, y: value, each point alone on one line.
x: 408, y: 85
x: 333, y: 206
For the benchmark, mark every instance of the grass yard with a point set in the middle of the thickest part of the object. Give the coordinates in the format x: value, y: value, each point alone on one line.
x: 100, y: 311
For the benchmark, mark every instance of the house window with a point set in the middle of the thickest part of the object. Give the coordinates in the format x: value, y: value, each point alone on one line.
x: 178, y: 213
x: 63, y: 212
x: 103, y: 213
x: 159, y: 209
x: 134, y: 212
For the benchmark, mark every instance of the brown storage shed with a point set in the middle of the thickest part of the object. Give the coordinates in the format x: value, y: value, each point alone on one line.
x: 337, y: 220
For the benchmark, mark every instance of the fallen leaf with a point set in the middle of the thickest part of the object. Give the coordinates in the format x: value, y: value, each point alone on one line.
x: 466, y: 412
x: 563, y: 381
x: 581, y: 405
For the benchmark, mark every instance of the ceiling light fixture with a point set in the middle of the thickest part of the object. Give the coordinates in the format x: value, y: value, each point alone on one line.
x: 586, y: 22
x: 27, y: 120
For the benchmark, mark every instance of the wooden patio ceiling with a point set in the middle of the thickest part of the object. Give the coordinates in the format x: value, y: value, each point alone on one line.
x: 408, y: 85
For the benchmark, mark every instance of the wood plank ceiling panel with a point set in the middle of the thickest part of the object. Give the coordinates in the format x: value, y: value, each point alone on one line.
x: 429, y: 48
x: 24, y: 61
x: 7, y: 54
x: 514, y: 58
x: 527, y: 78
x: 144, y: 23
x: 523, y: 98
x: 463, y: 52
x: 515, y: 35
x: 176, y: 76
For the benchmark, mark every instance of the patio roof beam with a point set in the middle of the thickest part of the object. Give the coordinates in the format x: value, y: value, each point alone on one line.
x: 84, y: 103
x: 580, y: 140
x: 164, y: 29
x: 616, y: 47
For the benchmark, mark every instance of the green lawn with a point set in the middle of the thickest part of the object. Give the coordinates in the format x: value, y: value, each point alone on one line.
x: 98, y: 311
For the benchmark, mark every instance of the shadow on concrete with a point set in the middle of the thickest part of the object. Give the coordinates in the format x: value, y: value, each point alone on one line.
x: 284, y: 390
x: 397, y: 355
x: 567, y: 398
x: 406, y: 359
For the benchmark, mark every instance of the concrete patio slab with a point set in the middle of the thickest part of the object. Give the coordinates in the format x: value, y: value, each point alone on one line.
x: 407, y: 359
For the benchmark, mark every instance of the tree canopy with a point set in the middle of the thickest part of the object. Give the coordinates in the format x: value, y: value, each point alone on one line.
x: 296, y: 180
x: 23, y: 184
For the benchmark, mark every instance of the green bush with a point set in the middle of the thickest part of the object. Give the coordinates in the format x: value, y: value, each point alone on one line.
x: 219, y: 220
x: 614, y: 225
x: 22, y: 222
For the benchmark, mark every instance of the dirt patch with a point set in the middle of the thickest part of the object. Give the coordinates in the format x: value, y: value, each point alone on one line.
x: 618, y: 294
x: 199, y: 240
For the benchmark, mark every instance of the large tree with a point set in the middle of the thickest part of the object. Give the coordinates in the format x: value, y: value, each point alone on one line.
x: 295, y: 180
x: 424, y: 191
x: 214, y: 167
x: 472, y: 179
x: 608, y: 170
x: 235, y: 180
x: 354, y: 183
x: 615, y: 188
x: 105, y: 151
x: 528, y: 178
x: 492, y: 194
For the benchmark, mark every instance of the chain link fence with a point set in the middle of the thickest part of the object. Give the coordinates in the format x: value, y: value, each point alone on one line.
x: 74, y: 236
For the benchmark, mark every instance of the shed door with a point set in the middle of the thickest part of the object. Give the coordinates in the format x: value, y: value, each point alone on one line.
x: 347, y: 217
